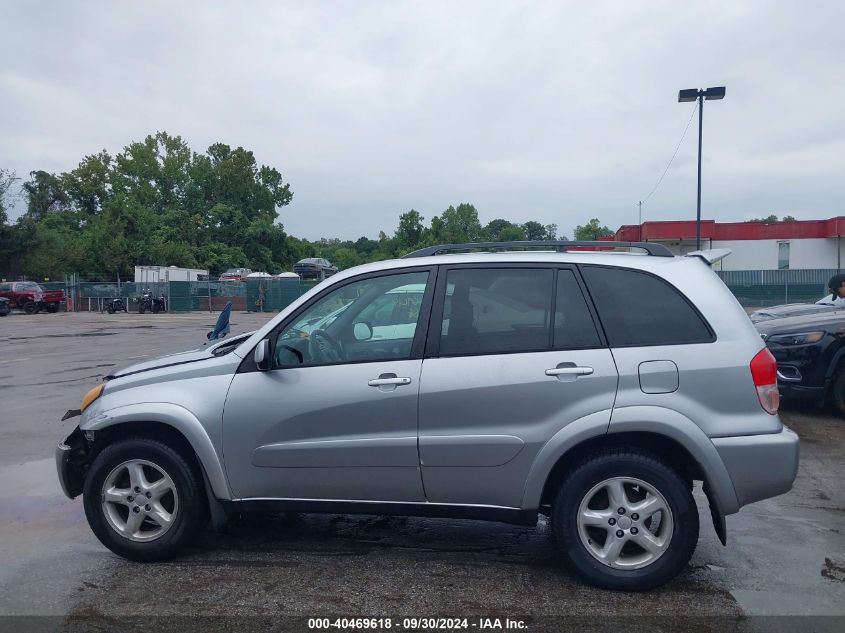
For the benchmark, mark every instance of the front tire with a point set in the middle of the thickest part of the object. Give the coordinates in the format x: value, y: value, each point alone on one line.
x: 143, y: 500
x: 837, y: 393
x: 30, y: 307
x: 625, y: 520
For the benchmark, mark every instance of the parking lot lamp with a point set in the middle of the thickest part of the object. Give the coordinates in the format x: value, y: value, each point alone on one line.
x: 691, y: 94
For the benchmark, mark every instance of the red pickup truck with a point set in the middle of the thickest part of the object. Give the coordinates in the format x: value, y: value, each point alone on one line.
x: 30, y: 297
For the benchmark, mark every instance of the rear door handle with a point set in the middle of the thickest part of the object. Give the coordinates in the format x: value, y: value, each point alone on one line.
x: 389, y: 380
x: 567, y: 372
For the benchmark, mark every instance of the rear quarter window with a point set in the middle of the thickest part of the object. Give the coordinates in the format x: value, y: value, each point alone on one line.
x: 639, y: 309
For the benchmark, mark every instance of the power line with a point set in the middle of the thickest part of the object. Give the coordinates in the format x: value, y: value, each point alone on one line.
x: 659, y: 180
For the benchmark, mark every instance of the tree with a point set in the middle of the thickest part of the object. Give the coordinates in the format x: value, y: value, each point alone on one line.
x: 7, y: 182
x: 534, y: 231
x: 591, y: 231
x: 494, y: 229
x: 460, y: 224
x: 154, y: 202
x: 410, y: 229
x: 512, y: 233
x: 766, y: 220
x: 45, y: 194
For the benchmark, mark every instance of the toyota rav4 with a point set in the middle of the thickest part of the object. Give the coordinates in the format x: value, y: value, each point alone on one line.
x: 592, y: 387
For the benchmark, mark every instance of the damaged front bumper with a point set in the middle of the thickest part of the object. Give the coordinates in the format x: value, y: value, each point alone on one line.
x: 72, y: 461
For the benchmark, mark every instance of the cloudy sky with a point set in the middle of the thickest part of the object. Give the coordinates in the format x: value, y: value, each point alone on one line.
x: 551, y: 111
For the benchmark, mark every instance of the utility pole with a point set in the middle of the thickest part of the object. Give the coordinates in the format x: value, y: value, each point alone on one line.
x: 693, y: 94
x: 640, y: 205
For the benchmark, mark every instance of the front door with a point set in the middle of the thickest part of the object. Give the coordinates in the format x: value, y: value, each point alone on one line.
x: 335, y: 417
x: 515, y: 357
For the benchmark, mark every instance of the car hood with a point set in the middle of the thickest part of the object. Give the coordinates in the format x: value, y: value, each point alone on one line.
x: 830, y: 321
x: 792, y: 309
x: 180, y: 358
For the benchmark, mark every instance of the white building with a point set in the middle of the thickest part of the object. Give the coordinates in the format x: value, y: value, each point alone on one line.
x: 161, y: 274
x: 801, y: 244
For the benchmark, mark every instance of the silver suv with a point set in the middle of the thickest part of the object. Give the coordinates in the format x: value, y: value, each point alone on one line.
x: 592, y: 387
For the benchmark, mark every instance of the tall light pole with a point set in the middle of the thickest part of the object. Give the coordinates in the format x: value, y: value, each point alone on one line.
x: 691, y: 94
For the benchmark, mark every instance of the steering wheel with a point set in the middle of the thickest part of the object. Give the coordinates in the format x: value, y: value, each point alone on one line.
x: 325, y: 347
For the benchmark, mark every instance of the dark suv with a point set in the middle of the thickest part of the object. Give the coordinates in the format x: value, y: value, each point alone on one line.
x: 810, y: 352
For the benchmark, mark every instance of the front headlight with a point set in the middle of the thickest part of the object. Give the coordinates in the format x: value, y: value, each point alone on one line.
x: 801, y: 338
x: 92, y: 395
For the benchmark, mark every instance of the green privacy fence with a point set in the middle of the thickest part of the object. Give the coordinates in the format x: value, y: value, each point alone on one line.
x: 254, y: 295
x: 268, y: 294
x: 761, y: 288
x: 753, y: 288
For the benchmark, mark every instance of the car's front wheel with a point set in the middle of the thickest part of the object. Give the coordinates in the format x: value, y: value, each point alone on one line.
x: 143, y: 500
x: 625, y: 520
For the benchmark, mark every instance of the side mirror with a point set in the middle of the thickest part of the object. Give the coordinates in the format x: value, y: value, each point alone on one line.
x: 362, y: 331
x: 262, y: 355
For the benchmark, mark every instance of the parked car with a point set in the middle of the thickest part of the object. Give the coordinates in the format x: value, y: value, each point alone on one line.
x: 793, y: 310
x: 4, y: 306
x: 235, y: 274
x: 30, y: 297
x: 589, y: 387
x: 314, y: 268
x: 810, y: 353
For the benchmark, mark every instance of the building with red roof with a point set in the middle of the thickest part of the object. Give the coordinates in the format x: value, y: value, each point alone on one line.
x: 799, y: 244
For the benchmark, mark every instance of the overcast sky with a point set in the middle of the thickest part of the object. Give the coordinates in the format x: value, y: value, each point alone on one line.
x: 551, y: 111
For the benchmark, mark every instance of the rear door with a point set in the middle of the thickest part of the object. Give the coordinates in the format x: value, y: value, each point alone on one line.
x: 513, y: 356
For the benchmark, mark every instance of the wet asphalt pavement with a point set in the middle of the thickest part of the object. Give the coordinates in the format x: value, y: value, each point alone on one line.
x: 785, y: 556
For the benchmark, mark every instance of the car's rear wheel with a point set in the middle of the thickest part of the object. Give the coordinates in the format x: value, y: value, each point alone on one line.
x: 143, y: 500
x: 52, y: 308
x: 625, y: 520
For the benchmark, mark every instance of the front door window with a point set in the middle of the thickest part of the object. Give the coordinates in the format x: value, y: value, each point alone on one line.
x: 364, y: 321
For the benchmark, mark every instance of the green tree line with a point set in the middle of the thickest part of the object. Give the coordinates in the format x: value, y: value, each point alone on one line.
x: 157, y: 202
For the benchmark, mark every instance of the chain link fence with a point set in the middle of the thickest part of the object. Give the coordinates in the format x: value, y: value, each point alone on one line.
x: 753, y: 289
x: 254, y: 295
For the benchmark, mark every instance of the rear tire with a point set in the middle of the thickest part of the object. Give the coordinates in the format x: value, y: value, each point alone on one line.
x: 592, y: 544
x: 110, y: 516
x: 52, y: 308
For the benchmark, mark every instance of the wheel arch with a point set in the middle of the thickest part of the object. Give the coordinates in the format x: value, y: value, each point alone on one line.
x: 664, y: 432
x: 167, y: 422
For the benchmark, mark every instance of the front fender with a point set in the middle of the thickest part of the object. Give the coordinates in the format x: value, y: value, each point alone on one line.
x: 180, y: 419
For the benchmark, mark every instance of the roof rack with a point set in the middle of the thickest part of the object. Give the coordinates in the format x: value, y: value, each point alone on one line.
x: 651, y: 248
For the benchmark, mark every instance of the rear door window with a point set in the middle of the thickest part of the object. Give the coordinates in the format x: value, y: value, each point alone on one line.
x: 639, y: 309
x: 496, y: 310
x: 574, y: 327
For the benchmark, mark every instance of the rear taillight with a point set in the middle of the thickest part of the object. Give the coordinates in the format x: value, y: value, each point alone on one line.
x: 764, y: 373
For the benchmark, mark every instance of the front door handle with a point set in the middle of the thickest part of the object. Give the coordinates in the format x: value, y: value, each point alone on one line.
x: 568, y: 371
x: 388, y: 382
